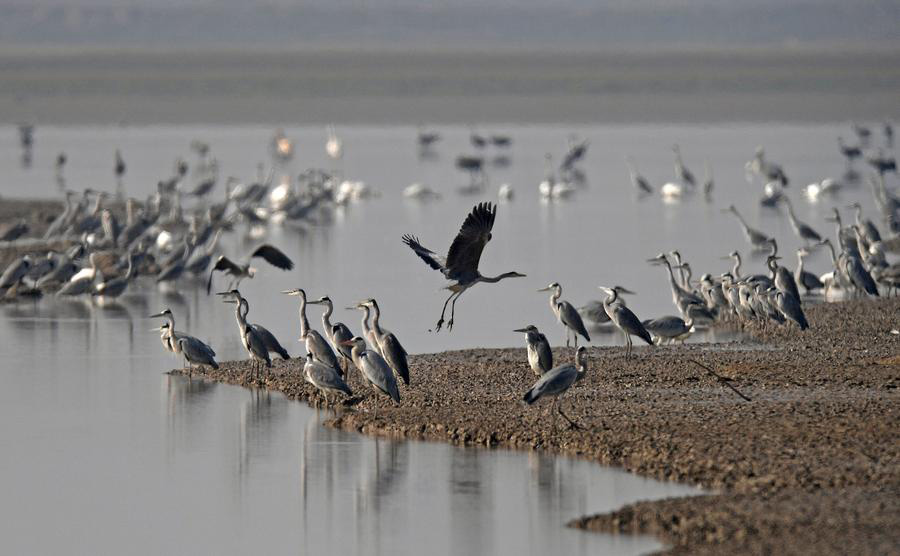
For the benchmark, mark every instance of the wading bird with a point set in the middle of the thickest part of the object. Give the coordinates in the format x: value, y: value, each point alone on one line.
x: 566, y: 314
x: 374, y: 369
x: 624, y: 319
x: 557, y: 380
x: 315, y: 343
x: 388, y: 345
x: 269, y: 340
x: 238, y: 272
x: 193, y: 350
x: 336, y: 333
x: 253, y: 342
x: 325, y: 378
x: 756, y: 238
x: 540, y: 358
x: 461, y: 263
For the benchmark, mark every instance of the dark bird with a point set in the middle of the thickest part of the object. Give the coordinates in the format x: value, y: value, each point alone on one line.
x: 238, y: 272
x: 461, y: 263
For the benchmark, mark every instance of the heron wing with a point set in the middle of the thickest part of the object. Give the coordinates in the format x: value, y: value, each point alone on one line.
x: 431, y: 258
x: 273, y: 256
x: 628, y: 321
x: 222, y: 263
x: 545, y: 355
x: 570, y: 317
x: 377, y: 372
x: 326, y: 378
x: 554, y: 381
x: 465, y: 251
x: 395, y: 356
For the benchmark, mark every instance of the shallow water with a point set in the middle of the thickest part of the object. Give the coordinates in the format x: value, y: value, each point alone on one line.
x: 104, y: 454
x: 603, y: 235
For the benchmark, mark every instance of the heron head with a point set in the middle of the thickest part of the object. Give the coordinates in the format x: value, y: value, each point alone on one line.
x: 623, y: 291
x: 513, y: 275
x: 324, y: 300
x: 659, y: 259
x: 163, y: 313
x: 296, y: 291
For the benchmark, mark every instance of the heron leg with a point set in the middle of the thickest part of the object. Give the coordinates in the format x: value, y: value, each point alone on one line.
x: 453, y: 310
x: 440, y: 322
x: 572, y: 424
x: 567, y: 336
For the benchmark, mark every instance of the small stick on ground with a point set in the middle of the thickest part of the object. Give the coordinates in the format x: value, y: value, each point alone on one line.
x: 721, y: 379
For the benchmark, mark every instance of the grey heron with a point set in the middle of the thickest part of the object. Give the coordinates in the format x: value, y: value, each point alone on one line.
x: 593, y: 310
x: 269, y: 340
x: 337, y: 332
x: 14, y: 273
x: 790, y: 308
x: 681, y: 172
x: 238, y: 272
x: 566, y: 314
x: 252, y: 340
x: 557, y: 381
x: 756, y: 238
x: 315, y: 342
x: 624, y: 319
x: 374, y: 369
x: 194, y: 351
x: 461, y: 263
x: 115, y: 287
x: 782, y: 278
x: 804, y: 231
x: 867, y: 228
x: 669, y: 328
x: 805, y: 279
x: 368, y: 333
x: 325, y: 378
x: 388, y: 345
x: 540, y: 358
x: 638, y: 181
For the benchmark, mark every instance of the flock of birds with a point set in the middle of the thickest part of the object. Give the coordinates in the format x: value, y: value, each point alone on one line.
x: 174, y: 234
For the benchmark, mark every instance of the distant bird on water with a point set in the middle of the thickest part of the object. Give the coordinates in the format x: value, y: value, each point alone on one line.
x: 461, y: 263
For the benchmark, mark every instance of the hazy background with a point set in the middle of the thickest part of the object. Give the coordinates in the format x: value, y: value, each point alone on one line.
x: 449, y: 23
x: 395, y: 62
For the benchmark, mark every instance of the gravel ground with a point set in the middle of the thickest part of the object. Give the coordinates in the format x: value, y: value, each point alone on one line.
x: 810, y: 465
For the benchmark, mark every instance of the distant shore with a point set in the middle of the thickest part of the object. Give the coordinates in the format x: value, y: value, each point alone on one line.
x: 106, y: 86
x: 810, y: 466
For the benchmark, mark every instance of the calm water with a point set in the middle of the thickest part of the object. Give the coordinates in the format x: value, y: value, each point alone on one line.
x: 105, y: 454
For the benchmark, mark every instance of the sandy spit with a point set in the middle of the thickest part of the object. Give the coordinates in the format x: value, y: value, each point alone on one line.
x: 810, y: 465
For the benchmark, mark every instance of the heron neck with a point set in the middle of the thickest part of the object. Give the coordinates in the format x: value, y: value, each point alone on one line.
x: 737, y: 267
x: 365, y: 320
x: 495, y: 279
x: 304, y: 323
x: 376, y: 326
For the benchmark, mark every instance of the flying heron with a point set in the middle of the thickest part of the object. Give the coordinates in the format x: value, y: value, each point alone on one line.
x: 557, y: 380
x: 461, y: 263
x: 540, y: 358
x: 240, y: 271
x: 566, y: 314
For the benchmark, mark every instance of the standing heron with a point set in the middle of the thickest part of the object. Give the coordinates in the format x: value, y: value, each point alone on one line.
x: 756, y: 238
x: 790, y: 308
x: 325, y: 378
x: 594, y: 312
x: 566, y: 314
x: 669, y: 328
x: 336, y: 333
x: 804, y: 231
x: 368, y: 333
x: 388, y: 345
x: 194, y: 351
x: 315, y: 343
x: 238, y: 272
x: 252, y: 340
x: 374, y: 369
x: 624, y: 319
x: 269, y: 340
x: 681, y: 171
x: 461, y: 263
x: 638, y: 181
x: 540, y: 358
x: 557, y: 380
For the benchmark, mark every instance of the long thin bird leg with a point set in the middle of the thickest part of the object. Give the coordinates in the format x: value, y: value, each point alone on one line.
x: 453, y: 311
x: 572, y: 424
x: 440, y: 322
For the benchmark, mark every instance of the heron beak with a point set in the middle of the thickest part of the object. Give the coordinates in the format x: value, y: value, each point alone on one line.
x: 545, y: 289
x: 157, y: 315
x: 520, y: 330
x: 291, y: 292
x: 624, y: 291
